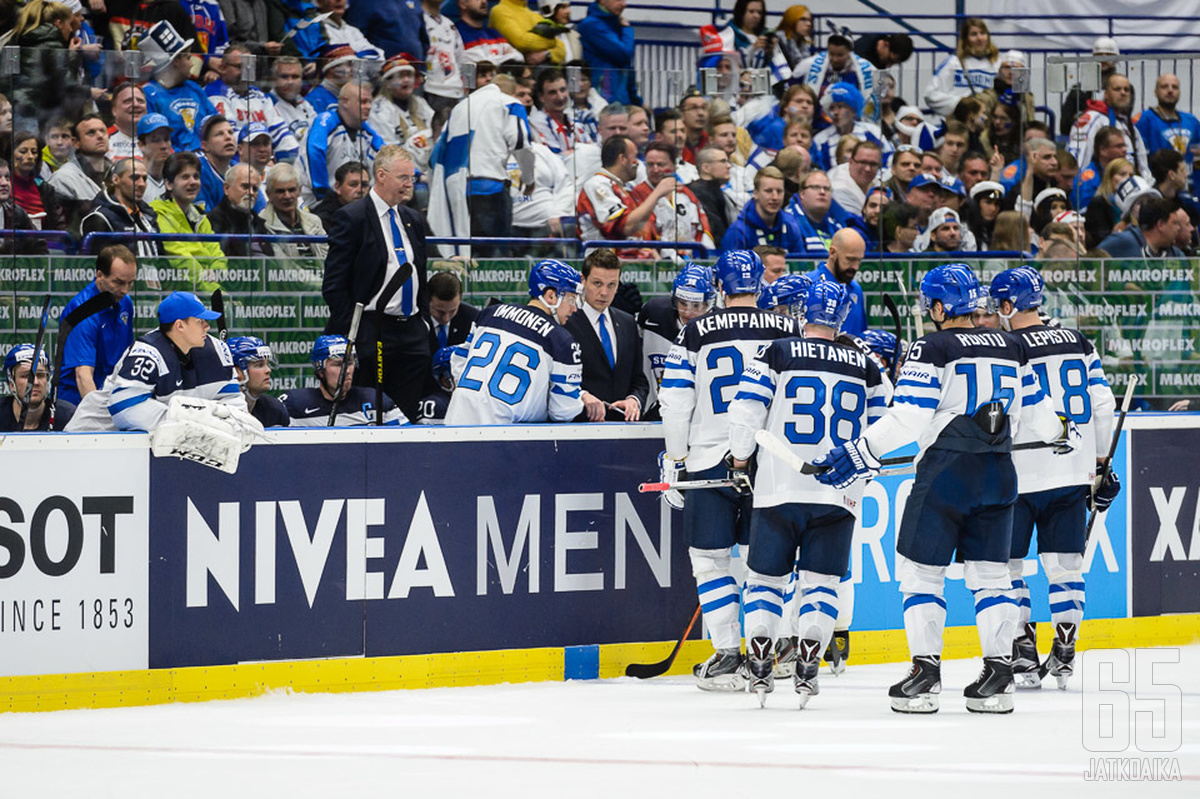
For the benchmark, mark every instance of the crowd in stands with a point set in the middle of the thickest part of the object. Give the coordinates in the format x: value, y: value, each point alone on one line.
x: 264, y: 117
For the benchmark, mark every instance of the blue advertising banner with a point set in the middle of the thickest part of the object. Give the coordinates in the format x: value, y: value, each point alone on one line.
x: 398, y: 547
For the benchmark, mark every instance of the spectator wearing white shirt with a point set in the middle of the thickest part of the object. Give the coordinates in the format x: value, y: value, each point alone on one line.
x: 851, y: 180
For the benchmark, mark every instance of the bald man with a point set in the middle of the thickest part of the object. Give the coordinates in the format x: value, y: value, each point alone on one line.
x: 1166, y: 127
x: 846, y: 251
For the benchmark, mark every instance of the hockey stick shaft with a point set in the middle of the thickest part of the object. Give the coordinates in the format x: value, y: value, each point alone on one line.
x: 218, y: 305
x: 684, y: 485
x: 100, y: 302
x: 340, y: 394
x: 33, y: 366
x: 646, y: 670
x: 1106, y: 467
x: 379, y: 381
x: 894, y: 312
x: 771, y: 443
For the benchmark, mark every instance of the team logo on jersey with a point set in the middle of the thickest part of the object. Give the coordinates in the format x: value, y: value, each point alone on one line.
x: 1010, y: 171
x: 1087, y: 174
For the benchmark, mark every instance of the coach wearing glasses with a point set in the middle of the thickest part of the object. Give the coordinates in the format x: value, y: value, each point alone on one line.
x: 370, y: 241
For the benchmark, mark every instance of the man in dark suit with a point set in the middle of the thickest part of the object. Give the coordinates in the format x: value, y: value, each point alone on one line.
x: 452, y: 318
x: 609, y: 343
x: 364, y: 265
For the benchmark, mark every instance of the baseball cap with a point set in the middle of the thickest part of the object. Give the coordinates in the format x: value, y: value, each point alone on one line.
x: 183, y: 305
x: 251, y: 131
x: 922, y: 179
x: 1014, y: 57
x: 150, y: 123
x: 953, y: 185
x: 1130, y: 189
x: 942, y: 216
x: 1069, y: 217
x: 1105, y: 45
x: 987, y: 189
x: 207, y: 123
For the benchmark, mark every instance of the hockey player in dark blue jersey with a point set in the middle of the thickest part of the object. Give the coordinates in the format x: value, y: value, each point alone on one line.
x: 19, y: 369
x: 884, y: 346
x: 310, y: 407
x: 661, y: 319
x: 699, y: 382
x: 787, y: 295
x: 813, y: 393
x: 254, y: 361
x: 1055, y: 491
x: 962, y: 394
x: 433, y: 406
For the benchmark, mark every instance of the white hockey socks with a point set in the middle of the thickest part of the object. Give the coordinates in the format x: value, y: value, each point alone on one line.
x: 791, y: 604
x: 1020, y: 592
x: 719, y: 596
x: 924, y: 621
x: 845, y: 603
x: 764, y: 605
x: 1064, y: 571
x: 818, y: 608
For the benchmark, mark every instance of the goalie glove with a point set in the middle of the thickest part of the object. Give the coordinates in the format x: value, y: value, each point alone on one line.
x: 1106, y: 490
x: 204, y: 431
x: 671, y: 471
x: 1068, y: 438
x: 740, y: 475
x: 845, y: 464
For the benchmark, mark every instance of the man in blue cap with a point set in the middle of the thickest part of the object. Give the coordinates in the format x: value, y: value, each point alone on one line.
x: 179, y: 358
x: 154, y: 139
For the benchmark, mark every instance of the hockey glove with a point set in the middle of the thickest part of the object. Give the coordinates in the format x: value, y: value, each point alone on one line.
x: 847, y: 463
x: 671, y: 471
x: 1106, y: 491
x: 740, y: 475
x: 1068, y: 438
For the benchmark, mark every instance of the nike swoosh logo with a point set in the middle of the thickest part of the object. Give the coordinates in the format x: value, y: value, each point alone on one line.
x: 651, y: 324
x: 311, y: 410
x: 178, y: 383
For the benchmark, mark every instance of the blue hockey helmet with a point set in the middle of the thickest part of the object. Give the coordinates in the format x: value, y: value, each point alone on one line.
x: 789, y: 292
x: 554, y: 274
x: 326, y: 347
x: 22, y: 353
x: 740, y: 272
x: 883, y: 344
x: 248, y: 349
x: 955, y: 285
x: 845, y: 93
x: 1021, y: 286
x: 694, y: 283
x: 828, y: 304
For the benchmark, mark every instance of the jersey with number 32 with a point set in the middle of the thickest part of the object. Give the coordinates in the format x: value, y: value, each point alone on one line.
x: 701, y: 377
x: 517, y: 365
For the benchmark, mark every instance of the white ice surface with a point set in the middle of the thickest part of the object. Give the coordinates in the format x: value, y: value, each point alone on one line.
x: 618, y: 738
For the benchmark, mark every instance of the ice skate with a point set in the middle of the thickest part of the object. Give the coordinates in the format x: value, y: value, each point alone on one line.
x: 807, y: 665
x: 992, y: 691
x: 918, y: 691
x: 724, y: 671
x: 760, y: 661
x: 838, y: 651
x: 785, y: 657
x: 1025, y: 660
x: 1061, y: 661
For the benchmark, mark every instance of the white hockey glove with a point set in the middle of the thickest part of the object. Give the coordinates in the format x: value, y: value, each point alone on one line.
x: 845, y: 464
x: 206, y: 432
x: 1069, y: 437
x: 671, y: 471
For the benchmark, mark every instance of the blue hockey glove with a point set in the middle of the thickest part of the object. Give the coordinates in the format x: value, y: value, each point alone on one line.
x: 847, y: 463
x: 671, y: 471
x: 1106, y: 491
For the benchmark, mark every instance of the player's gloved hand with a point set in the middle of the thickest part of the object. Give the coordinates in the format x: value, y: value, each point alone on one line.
x: 740, y: 475
x: 1107, y: 488
x: 1067, y: 439
x: 671, y: 471
x: 847, y: 463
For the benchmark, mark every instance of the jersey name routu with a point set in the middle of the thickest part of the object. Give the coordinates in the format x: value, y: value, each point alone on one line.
x: 701, y: 377
x: 815, y: 395
x: 517, y: 365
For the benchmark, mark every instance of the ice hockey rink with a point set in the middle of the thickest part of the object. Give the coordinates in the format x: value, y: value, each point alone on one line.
x: 616, y: 738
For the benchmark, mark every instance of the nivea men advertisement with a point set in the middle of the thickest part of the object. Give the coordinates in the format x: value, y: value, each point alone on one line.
x: 393, y: 548
x: 1166, y: 522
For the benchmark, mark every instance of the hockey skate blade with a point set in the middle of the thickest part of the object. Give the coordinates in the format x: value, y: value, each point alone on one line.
x: 1027, y: 680
x: 725, y: 683
x: 836, y: 668
x: 761, y: 692
x: 996, y: 703
x: 1062, y: 680
x: 919, y: 704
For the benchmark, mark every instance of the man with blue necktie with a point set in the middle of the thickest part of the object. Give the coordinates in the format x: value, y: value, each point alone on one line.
x: 371, y: 243
x: 613, y: 379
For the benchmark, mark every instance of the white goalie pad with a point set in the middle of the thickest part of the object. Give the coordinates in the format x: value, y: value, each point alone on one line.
x: 205, y: 432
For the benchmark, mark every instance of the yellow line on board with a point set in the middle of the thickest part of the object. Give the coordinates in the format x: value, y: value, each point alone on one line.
x: 158, y: 686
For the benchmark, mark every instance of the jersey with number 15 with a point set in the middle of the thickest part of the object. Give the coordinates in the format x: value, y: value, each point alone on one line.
x: 701, y: 378
x: 517, y: 365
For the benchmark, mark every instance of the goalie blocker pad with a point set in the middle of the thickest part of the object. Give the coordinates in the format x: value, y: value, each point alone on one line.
x: 205, y: 432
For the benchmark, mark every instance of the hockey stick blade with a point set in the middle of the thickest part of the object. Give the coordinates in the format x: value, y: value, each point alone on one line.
x: 341, y: 390
x: 894, y: 312
x: 644, y: 671
x: 218, y: 305
x: 94, y: 305
x: 683, y: 485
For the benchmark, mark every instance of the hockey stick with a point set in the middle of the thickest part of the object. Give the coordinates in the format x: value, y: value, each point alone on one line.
x: 644, y: 671
x: 102, y: 301
x: 890, y: 304
x: 379, y: 379
x: 781, y: 450
x: 340, y: 394
x: 218, y: 305
x: 918, y: 322
x: 402, y: 276
x: 1126, y: 401
x: 684, y: 485
x: 33, y: 365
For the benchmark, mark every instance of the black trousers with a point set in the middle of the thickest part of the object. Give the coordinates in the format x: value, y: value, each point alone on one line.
x: 406, y: 358
x: 491, y: 215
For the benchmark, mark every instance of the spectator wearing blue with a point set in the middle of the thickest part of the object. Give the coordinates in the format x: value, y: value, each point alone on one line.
x: 763, y: 220
x: 1166, y: 127
x: 336, y: 136
x: 172, y: 93
x: 94, y: 346
x: 845, y: 256
x: 337, y: 68
x: 844, y: 105
x: 1110, y: 145
x: 220, y: 147
x: 812, y: 207
x: 154, y: 139
x: 1154, y: 236
x: 395, y: 26
x: 608, y: 44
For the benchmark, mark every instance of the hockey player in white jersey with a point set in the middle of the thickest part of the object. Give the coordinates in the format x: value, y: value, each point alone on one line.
x: 814, y: 393
x: 1054, y: 491
x: 519, y: 364
x: 699, y: 381
x: 311, y: 406
x: 962, y: 394
x: 661, y: 319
